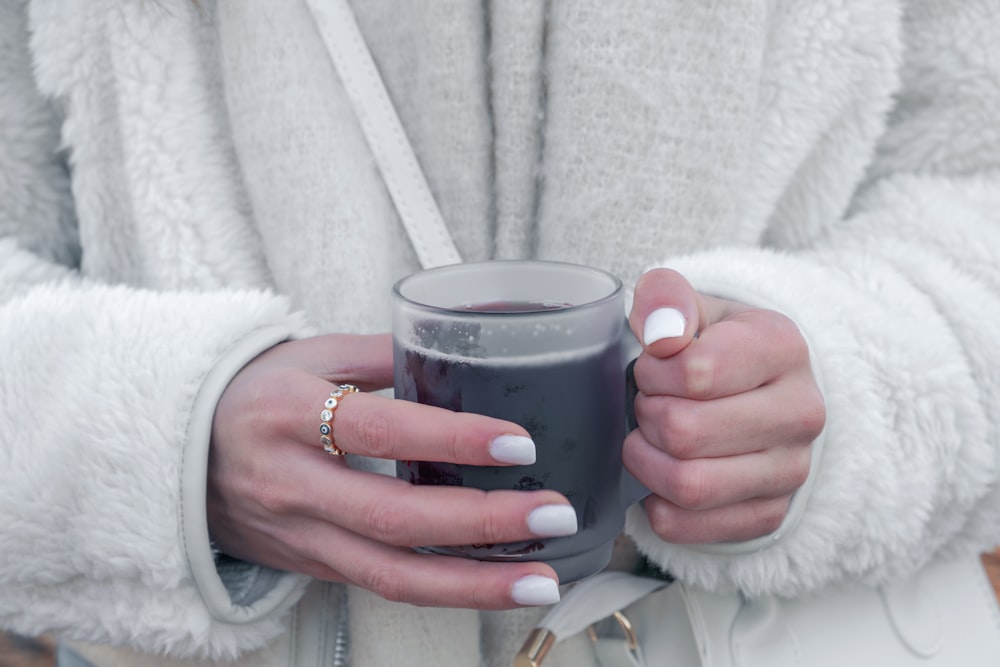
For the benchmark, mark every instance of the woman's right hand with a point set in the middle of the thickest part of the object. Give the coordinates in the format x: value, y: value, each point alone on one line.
x: 277, y: 499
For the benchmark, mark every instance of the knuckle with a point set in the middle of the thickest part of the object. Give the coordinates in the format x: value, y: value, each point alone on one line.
x: 661, y: 520
x: 261, y: 411
x: 388, y: 583
x: 800, y: 470
x: 268, y: 411
x: 632, y: 450
x: 787, y: 336
x: 691, y: 490
x: 491, y: 530
x: 813, y: 415
x: 769, y: 516
x: 271, y: 498
x: 699, y: 375
x: 374, y: 433
x: 645, y: 409
x: 453, y: 446
x: 388, y: 523
x: 645, y: 372
x: 479, y: 597
x: 680, y: 432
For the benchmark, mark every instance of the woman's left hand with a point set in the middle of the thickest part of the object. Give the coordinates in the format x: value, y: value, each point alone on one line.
x: 727, y: 410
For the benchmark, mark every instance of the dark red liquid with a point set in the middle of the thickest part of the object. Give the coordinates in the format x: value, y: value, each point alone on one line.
x: 571, y: 403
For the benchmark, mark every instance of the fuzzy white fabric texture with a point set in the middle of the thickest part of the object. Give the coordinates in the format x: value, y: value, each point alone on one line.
x: 185, y: 184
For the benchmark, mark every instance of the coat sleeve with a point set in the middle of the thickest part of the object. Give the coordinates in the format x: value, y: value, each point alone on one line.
x: 106, y: 400
x: 900, y: 302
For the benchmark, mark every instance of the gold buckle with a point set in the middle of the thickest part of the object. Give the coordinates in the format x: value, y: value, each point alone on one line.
x: 631, y: 640
x: 538, y: 643
x: 535, y: 648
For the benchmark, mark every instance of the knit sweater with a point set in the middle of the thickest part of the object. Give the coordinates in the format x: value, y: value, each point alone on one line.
x: 183, y: 185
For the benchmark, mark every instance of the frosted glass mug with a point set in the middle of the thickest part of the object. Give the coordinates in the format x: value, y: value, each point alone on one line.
x: 541, y: 344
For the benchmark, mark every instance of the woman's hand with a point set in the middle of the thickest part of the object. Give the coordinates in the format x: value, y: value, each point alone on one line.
x: 277, y: 499
x: 727, y: 410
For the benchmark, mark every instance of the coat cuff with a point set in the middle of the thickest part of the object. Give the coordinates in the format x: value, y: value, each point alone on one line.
x: 236, y: 593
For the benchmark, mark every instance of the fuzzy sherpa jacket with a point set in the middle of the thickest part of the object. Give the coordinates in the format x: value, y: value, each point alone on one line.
x: 184, y: 184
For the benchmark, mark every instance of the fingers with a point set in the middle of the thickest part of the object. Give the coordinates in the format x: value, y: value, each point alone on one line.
x: 402, y: 575
x: 307, y: 512
x: 725, y: 456
x: 287, y: 405
x: 742, y: 352
x: 725, y: 419
x: 716, y: 482
x: 716, y: 499
x: 282, y: 393
x: 665, y: 312
x: 325, y: 550
x: 392, y: 511
x: 277, y: 499
x: 431, y: 580
x: 786, y: 411
x: 745, y: 521
x: 393, y: 429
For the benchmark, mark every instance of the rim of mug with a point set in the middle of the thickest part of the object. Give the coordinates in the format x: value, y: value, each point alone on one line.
x: 616, y: 287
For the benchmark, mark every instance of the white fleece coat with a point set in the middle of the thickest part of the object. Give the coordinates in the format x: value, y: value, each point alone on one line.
x: 183, y: 185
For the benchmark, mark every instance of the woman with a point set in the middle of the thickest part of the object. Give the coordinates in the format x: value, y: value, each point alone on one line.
x: 189, y: 208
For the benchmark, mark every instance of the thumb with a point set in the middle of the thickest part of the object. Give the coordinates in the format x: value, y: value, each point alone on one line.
x: 665, y: 312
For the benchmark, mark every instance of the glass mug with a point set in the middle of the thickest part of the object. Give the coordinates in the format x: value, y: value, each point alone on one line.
x: 541, y: 344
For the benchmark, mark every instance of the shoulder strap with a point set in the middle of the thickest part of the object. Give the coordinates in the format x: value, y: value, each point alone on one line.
x: 388, y: 142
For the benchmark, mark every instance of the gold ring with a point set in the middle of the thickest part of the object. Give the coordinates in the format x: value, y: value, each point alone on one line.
x: 326, y: 418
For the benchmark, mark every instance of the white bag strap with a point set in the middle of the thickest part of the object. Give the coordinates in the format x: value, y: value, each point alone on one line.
x: 388, y: 142
x: 585, y: 604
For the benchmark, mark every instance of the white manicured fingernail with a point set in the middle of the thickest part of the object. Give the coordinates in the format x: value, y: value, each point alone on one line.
x: 535, y: 590
x: 663, y: 323
x: 552, y: 520
x: 515, y: 449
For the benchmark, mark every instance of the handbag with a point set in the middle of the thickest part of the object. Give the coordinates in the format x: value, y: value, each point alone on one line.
x: 946, y: 615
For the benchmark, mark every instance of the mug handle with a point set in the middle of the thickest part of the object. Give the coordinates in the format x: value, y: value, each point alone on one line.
x: 632, y: 490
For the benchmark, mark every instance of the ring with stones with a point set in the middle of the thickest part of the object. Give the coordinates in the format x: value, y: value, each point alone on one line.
x: 326, y: 418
